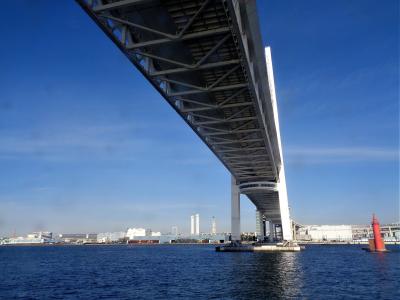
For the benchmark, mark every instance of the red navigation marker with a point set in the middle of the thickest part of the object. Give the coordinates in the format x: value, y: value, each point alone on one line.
x: 379, y: 245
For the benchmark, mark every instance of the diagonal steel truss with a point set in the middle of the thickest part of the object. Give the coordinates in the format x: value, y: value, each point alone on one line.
x: 198, y: 56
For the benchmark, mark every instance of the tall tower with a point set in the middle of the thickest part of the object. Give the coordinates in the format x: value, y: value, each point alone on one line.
x: 282, y: 190
x: 197, y: 224
x: 192, y: 225
x: 213, y: 226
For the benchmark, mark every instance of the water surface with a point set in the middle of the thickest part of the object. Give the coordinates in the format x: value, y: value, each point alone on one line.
x: 197, y: 272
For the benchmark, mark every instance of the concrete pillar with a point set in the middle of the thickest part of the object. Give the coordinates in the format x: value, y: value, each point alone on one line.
x: 264, y: 230
x: 287, y: 233
x: 294, y: 231
x: 235, y: 211
x: 259, y: 225
x: 271, y: 231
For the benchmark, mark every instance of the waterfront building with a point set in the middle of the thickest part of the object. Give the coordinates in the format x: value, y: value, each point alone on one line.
x: 325, y: 233
x: 41, y: 237
x: 135, y: 232
x: 77, y: 237
x: 110, y: 237
x: 41, y: 234
x: 24, y: 240
x: 390, y: 232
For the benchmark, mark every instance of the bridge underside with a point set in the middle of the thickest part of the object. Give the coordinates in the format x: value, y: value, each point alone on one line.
x: 206, y: 59
x: 265, y: 197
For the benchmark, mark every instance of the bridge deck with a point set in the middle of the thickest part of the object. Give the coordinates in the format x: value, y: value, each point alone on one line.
x: 193, y: 52
x: 206, y: 59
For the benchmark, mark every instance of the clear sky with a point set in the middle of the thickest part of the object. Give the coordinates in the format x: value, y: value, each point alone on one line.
x: 87, y: 145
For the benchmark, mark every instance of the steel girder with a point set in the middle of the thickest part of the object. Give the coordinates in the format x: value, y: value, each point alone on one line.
x: 201, y: 57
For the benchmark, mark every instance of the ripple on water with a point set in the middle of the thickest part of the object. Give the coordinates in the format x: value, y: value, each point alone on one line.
x: 182, y: 272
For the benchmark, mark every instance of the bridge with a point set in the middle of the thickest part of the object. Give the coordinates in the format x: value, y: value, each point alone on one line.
x: 206, y: 59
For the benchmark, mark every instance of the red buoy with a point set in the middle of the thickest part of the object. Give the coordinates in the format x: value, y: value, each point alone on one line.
x: 378, y: 241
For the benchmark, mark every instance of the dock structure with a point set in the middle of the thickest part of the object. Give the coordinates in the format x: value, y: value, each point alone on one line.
x: 207, y: 60
x: 271, y: 247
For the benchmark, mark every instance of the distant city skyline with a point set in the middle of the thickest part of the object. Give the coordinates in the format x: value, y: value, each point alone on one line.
x: 87, y: 145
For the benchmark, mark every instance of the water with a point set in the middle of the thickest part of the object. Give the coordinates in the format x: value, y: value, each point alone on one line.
x: 197, y: 272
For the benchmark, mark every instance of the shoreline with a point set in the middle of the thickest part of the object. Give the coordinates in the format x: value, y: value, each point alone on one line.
x: 300, y: 243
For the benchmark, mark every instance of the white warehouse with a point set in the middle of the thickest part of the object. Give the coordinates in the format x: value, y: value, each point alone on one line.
x: 325, y: 233
x: 132, y: 233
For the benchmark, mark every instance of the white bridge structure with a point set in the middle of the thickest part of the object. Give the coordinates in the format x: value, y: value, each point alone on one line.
x: 206, y: 59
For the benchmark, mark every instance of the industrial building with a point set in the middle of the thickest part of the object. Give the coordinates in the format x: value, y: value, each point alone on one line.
x: 77, y: 237
x: 41, y: 237
x: 345, y: 233
x: 139, y: 233
x: 111, y: 237
x: 135, y: 232
x: 325, y: 233
x: 390, y: 232
x: 167, y: 238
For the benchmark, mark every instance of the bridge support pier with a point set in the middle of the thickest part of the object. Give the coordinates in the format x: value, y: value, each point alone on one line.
x: 260, y: 233
x: 235, y: 211
x: 284, y: 207
x: 264, y: 232
x: 271, y: 231
x: 282, y: 191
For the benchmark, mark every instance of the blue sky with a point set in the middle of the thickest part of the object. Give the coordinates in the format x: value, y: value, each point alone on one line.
x: 86, y: 144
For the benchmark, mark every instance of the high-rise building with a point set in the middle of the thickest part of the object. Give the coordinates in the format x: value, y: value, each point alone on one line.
x: 192, y: 224
x: 213, y: 226
x: 195, y: 224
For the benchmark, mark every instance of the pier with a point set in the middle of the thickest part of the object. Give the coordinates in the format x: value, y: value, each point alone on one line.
x: 272, y: 247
